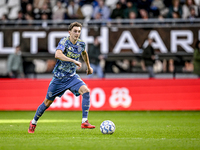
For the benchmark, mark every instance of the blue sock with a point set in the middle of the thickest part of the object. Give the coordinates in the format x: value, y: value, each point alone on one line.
x: 41, y: 109
x: 85, y: 104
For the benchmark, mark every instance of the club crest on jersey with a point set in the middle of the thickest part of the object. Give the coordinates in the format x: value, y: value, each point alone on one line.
x: 50, y: 94
x: 79, y: 49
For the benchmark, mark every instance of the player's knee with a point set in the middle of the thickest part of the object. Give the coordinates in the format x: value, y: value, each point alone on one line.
x: 84, y: 89
x: 47, y: 102
x: 86, y: 96
x: 87, y: 91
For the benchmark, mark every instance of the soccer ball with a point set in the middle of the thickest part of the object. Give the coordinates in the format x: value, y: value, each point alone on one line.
x: 107, y: 127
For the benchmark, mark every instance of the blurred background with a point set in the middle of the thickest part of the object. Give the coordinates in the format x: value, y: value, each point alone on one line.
x: 128, y: 42
x: 122, y: 29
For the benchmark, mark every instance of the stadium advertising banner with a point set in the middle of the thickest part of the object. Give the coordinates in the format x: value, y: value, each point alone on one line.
x: 112, y: 39
x: 106, y: 94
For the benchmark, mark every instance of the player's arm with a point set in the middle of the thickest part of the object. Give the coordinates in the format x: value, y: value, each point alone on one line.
x: 86, y: 59
x: 59, y: 55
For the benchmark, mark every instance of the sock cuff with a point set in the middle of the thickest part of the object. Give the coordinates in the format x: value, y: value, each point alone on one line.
x: 44, y: 105
x: 86, y: 95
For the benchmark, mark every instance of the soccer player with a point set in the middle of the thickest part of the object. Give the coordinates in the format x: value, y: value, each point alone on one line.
x: 65, y: 78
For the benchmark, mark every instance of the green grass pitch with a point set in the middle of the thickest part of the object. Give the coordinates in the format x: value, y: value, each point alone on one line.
x: 154, y: 130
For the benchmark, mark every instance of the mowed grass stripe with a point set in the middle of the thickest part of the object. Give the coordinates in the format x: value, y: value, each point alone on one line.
x: 42, y: 121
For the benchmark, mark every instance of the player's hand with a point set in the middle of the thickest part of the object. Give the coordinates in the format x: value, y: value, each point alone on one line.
x: 89, y: 71
x: 78, y: 64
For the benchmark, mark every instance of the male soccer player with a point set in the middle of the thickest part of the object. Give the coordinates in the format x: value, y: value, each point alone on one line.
x: 65, y: 78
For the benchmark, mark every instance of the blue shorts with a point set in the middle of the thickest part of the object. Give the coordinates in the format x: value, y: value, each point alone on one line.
x: 57, y: 87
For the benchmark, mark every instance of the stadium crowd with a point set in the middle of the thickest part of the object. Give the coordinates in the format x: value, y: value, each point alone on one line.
x: 59, y: 10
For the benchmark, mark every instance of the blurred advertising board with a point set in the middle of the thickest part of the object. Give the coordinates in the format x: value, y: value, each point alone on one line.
x: 106, y: 94
x: 167, y: 39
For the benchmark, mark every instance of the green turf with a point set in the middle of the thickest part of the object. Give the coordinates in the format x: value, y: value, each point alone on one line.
x: 134, y: 130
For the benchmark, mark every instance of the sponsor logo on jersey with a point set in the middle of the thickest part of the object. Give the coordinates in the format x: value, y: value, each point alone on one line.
x: 71, y: 48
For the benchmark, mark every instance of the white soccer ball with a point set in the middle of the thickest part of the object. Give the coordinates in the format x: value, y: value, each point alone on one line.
x: 107, y: 127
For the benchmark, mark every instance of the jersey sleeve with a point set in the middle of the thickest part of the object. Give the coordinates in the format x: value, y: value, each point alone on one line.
x: 82, y: 46
x: 61, y: 44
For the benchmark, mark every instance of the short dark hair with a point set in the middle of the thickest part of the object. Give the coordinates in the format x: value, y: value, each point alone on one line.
x: 74, y: 24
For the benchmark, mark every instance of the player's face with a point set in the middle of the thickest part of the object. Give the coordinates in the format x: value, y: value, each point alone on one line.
x: 75, y: 33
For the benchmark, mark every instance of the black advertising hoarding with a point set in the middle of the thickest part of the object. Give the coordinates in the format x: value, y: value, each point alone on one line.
x: 113, y: 39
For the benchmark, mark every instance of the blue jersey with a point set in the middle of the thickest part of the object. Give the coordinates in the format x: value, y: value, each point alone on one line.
x: 73, y: 51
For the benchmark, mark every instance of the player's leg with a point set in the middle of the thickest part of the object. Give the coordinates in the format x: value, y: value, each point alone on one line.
x: 85, y: 92
x: 78, y: 87
x: 39, y: 112
x: 41, y: 109
x: 54, y: 89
